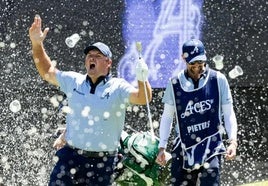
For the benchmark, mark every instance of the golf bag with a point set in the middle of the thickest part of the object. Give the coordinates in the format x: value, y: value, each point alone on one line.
x: 137, y: 165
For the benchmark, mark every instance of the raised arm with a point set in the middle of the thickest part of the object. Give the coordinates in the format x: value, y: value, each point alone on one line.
x: 139, y: 97
x: 42, y: 61
x: 144, y: 88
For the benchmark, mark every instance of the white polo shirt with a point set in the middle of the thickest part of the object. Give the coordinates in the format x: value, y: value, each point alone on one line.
x: 95, y: 121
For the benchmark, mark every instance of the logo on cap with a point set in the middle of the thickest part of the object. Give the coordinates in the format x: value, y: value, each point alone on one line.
x: 194, y: 50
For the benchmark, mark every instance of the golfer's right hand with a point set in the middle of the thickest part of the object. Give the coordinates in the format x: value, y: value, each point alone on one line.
x: 161, y: 157
x: 37, y: 36
x: 59, y: 142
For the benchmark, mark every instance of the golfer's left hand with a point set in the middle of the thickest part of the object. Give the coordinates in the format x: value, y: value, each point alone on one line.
x: 141, y: 70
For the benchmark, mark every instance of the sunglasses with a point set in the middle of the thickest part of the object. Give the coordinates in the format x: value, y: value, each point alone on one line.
x: 197, y: 62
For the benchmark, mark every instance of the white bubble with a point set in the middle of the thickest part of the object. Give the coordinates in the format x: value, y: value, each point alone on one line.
x: 85, y: 23
x: 156, y: 124
x: 102, y: 145
x: 26, y: 146
x: 197, y: 166
x: 15, y: 106
x: 142, y: 114
x: 106, y: 114
x: 198, y: 139
x: 129, y: 174
x: 7, y: 166
x: 206, y: 165
x: 135, y: 108
x: 185, y: 54
x: 12, y: 45
x: 53, y: 100
x: 60, y: 97
x: 88, y: 144
x: 55, y: 158
x: 44, y: 110
x: 207, y: 151
x: 90, y: 122
x: 10, y: 65
x: 221, y: 129
x: 122, y: 106
x: 73, y: 171
x: 2, y: 44
x: 264, y: 139
x: 193, y: 136
x: 4, y: 159
x: 119, y: 165
x: 59, y: 26
x: 66, y: 109
x: 90, y: 33
x: 176, y: 61
x: 56, y: 30
x: 32, y: 131
x: 54, y: 63
x: 235, y: 174
x: 100, y: 165
x: 83, y: 33
x: 8, y: 37
x: 157, y: 66
x: 85, y: 111
x: 118, y: 114
x: 96, y: 118
x: 162, y: 56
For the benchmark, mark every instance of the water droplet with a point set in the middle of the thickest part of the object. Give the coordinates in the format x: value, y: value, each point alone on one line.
x: 15, y: 106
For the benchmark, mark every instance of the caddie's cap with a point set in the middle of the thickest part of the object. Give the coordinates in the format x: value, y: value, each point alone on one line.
x: 103, y: 48
x: 193, y: 50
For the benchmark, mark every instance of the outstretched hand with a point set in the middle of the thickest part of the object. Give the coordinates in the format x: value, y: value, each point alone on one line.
x: 37, y: 36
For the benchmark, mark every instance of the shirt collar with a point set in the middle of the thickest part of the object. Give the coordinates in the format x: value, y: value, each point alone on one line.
x: 93, y: 86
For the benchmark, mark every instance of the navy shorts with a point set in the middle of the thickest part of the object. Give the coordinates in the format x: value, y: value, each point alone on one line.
x: 205, y: 176
x: 75, y: 169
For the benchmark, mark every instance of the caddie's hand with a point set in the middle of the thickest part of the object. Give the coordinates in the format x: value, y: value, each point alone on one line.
x: 161, y: 157
x: 141, y: 70
x: 231, y: 151
x: 37, y: 36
